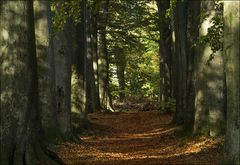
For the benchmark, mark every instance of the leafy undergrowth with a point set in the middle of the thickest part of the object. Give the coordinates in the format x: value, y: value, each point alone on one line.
x: 139, y: 138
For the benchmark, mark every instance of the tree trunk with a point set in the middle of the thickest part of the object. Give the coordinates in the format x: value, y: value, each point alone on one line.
x: 94, y: 44
x: 181, y: 60
x: 192, y: 52
x: 20, y: 117
x: 78, y: 74
x: 209, y: 101
x: 103, y: 62
x: 62, y: 43
x: 121, y: 64
x: 164, y: 52
x: 121, y: 81
x: 89, y: 70
x: 46, y: 70
x: 232, y: 62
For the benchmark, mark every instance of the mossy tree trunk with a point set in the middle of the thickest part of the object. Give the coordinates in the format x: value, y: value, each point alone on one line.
x: 232, y: 62
x: 20, y: 127
x: 209, y: 99
x: 46, y: 69
x: 63, y: 50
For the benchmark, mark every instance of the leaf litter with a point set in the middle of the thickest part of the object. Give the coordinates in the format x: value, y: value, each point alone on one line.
x: 139, y: 138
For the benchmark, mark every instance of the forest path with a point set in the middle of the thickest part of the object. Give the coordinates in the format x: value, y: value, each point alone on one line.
x: 139, y: 138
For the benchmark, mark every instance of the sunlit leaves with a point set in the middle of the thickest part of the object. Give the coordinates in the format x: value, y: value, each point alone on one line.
x: 62, y: 10
x: 215, y: 36
x: 169, y: 12
x: 133, y: 27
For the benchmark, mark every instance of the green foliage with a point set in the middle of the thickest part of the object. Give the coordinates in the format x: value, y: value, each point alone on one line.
x: 142, y: 72
x: 61, y: 11
x: 169, y: 12
x: 214, y: 36
x: 132, y: 43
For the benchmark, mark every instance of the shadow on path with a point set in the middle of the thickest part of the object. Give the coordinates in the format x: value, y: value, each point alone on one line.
x: 139, y: 138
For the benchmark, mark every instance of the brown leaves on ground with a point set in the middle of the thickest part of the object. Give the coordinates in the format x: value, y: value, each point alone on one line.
x: 139, y: 138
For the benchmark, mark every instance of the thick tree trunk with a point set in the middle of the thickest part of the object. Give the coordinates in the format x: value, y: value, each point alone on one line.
x: 46, y: 70
x: 232, y: 61
x: 193, y: 51
x: 78, y: 75
x: 62, y: 43
x: 209, y: 100
x: 181, y: 60
x: 85, y: 96
x: 20, y: 127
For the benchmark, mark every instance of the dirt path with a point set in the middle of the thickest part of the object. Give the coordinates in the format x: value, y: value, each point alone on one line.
x: 139, y: 138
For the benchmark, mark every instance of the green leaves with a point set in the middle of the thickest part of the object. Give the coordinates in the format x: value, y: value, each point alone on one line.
x: 61, y: 11
x: 169, y: 12
x: 215, y: 36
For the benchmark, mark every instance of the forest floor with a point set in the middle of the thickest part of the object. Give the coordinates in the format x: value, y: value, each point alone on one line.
x: 139, y: 138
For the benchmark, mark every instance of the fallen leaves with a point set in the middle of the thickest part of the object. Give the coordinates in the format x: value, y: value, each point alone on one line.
x: 139, y: 138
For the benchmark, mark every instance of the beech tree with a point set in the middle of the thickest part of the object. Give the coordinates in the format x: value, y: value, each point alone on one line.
x: 103, y: 61
x: 165, y: 56
x: 62, y: 43
x: 232, y: 59
x: 79, y: 63
x: 21, y: 129
x: 46, y: 69
x: 193, y: 13
x: 209, y: 84
x: 180, y: 67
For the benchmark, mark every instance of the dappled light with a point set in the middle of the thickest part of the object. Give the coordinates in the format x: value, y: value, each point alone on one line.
x: 115, y: 82
x: 132, y: 138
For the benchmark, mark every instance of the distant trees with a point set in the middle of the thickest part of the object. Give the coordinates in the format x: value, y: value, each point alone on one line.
x: 198, y: 70
x: 206, y: 74
x: 67, y: 58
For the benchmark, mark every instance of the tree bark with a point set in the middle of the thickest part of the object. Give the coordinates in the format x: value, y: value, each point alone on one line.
x: 232, y: 63
x: 78, y: 74
x: 94, y: 46
x: 192, y: 52
x: 121, y: 64
x: 103, y: 62
x: 181, y: 60
x: 46, y: 69
x: 89, y: 70
x: 209, y: 100
x: 164, y: 52
x: 62, y: 43
x: 20, y: 127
